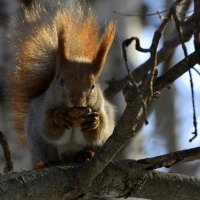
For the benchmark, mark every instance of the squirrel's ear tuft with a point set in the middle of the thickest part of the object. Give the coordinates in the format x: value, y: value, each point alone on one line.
x: 62, y: 44
x: 104, y: 47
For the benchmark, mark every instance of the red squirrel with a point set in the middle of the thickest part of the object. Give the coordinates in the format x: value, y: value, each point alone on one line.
x: 55, y: 96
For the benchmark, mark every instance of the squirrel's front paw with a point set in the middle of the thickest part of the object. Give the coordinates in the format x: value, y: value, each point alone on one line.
x: 61, y: 118
x: 91, y: 122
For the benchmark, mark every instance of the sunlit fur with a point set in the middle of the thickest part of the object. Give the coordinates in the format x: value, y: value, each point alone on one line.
x: 37, y: 45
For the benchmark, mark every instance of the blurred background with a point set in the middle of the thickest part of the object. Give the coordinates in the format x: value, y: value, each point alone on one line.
x: 170, y: 119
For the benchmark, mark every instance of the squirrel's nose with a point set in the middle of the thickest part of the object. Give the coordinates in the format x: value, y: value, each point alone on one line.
x: 78, y: 101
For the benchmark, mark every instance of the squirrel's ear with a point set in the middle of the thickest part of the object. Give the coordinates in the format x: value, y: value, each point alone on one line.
x: 62, y: 53
x: 104, y: 47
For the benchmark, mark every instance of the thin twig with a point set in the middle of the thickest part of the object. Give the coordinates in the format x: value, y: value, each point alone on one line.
x: 138, y: 47
x: 198, y: 72
x: 139, y: 15
x: 153, y: 50
x: 125, y: 44
x: 195, y: 133
x: 180, y: 32
x: 149, y: 14
x: 196, y: 27
x: 7, y: 155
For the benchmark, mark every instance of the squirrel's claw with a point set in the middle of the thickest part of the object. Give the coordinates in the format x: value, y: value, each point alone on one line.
x: 91, y: 122
x: 60, y: 118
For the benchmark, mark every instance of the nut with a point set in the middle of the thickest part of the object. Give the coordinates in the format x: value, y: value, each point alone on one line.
x: 77, y: 114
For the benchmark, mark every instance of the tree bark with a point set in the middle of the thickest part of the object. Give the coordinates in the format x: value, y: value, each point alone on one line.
x: 123, y: 178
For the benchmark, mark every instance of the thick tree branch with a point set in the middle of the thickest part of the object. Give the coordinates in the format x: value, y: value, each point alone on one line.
x: 123, y: 178
x: 133, y: 181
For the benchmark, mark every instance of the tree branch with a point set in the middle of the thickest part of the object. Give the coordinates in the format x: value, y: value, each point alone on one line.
x: 129, y: 180
x: 170, y: 159
x: 7, y: 154
x: 116, y: 86
x: 175, y: 72
x: 196, y: 28
x: 122, y: 178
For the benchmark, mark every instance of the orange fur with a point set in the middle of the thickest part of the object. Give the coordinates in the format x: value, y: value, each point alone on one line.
x: 76, y: 34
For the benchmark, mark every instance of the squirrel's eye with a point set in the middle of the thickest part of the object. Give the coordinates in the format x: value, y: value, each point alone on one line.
x: 61, y: 83
x: 93, y: 86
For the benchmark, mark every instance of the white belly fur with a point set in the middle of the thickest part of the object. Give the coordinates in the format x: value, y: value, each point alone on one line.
x: 72, y: 142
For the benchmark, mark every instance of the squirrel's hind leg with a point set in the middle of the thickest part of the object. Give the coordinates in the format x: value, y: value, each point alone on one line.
x: 84, y: 155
